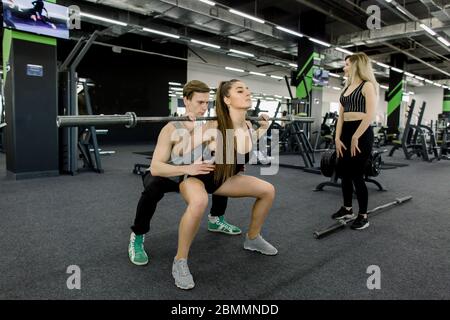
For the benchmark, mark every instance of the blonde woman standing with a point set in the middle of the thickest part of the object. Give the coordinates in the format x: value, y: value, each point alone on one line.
x: 354, y: 135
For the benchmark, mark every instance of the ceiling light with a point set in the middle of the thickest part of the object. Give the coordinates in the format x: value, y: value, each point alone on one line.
x: 384, y: 87
x: 397, y: 70
x: 205, y: 44
x: 161, y: 33
x: 320, y: 42
x: 257, y: 74
x: 276, y: 77
x: 399, y: 8
x: 293, y: 65
x: 383, y: 65
x: 208, y: 2
x: 444, y: 41
x: 242, y: 52
x: 175, y: 83
x: 246, y: 16
x: 427, y: 29
x: 234, y: 69
x: 334, y: 75
x: 94, y: 17
x: 290, y: 31
x: 337, y: 88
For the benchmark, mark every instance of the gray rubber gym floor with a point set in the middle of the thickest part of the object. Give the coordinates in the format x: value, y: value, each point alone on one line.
x: 49, y: 224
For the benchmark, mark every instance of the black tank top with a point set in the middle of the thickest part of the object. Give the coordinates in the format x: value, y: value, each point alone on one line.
x: 355, y: 101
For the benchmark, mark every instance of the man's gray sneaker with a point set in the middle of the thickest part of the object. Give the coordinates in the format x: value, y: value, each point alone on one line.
x: 260, y: 245
x: 182, y: 275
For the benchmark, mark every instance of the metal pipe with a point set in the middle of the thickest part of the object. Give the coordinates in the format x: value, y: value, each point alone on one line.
x: 72, y: 54
x: 80, y: 56
x: 342, y: 223
x: 415, y: 58
x: 130, y: 120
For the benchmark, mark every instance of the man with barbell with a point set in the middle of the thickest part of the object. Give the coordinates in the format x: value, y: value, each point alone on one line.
x: 166, y: 170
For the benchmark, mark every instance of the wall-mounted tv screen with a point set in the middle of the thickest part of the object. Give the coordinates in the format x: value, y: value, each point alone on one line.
x: 36, y: 16
x: 320, y: 77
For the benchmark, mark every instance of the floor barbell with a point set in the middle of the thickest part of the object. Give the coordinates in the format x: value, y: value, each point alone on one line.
x: 130, y: 120
x: 344, y: 222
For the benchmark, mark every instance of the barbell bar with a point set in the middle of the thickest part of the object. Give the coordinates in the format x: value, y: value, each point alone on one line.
x: 130, y: 120
x: 344, y: 222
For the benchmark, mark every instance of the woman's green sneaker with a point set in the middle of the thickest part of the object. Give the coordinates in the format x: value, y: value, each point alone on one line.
x: 136, y: 250
x: 220, y: 225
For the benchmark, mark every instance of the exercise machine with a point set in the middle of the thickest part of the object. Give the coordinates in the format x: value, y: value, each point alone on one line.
x: 325, y: 138
x: 417, y: 140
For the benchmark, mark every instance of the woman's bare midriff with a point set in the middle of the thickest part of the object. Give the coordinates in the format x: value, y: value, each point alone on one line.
x: 353, y: 116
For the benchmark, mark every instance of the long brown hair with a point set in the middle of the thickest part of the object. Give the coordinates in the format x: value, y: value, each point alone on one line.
x: 224, y: 170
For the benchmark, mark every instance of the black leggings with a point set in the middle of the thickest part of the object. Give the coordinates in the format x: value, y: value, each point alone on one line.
x: 352, y: 169
x: 155, y: 188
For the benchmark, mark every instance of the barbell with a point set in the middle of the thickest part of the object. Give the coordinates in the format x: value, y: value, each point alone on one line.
x: 344, y: 222
x: 130, y: 120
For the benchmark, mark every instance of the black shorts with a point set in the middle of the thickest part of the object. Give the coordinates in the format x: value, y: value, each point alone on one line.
x: 208, y: 179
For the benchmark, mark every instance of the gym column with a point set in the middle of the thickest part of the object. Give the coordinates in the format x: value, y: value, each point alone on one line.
x: 395, y: 94
x: 309, y: 58
x: 446, y: 102
x: 30, y: 79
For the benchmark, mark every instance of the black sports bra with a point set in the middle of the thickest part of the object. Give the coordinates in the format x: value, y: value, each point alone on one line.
x: 355, y: 101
